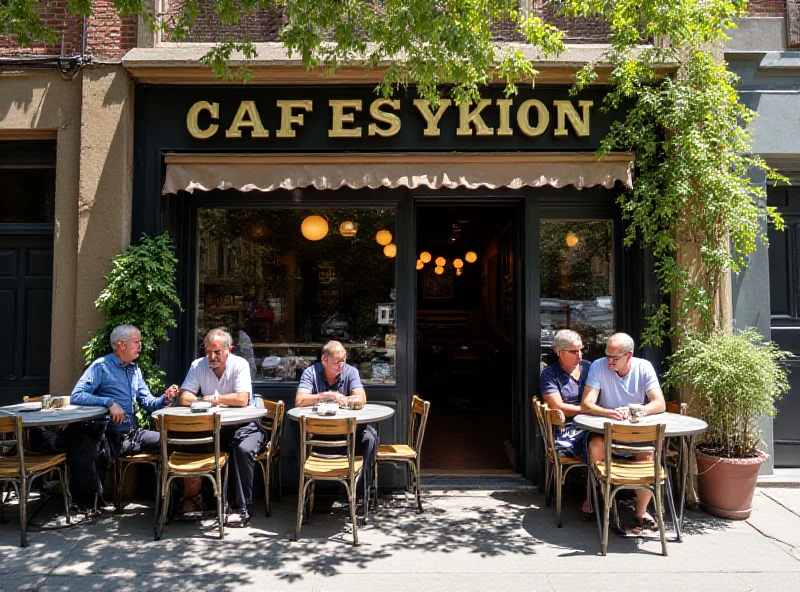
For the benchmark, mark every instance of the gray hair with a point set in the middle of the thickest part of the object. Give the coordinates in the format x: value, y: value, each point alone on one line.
x: 122, y: 333
x: 331, y: 347
x: 219, y: 333
x: 564, y: 338
x: 623, y: 340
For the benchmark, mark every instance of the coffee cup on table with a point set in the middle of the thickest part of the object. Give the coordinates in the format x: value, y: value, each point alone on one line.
x: 635, y: 412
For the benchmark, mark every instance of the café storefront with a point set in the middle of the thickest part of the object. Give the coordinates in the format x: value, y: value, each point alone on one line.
x: 443, y: 245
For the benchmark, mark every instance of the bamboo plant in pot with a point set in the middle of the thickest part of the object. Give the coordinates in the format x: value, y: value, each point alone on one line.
x: 734, y: 379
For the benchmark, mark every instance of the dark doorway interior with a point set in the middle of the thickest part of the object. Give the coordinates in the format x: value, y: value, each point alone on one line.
x: 465, y: 337
x: 27, y: 178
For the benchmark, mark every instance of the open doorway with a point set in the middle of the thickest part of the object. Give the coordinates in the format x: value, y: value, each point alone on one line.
x: 466, y: 323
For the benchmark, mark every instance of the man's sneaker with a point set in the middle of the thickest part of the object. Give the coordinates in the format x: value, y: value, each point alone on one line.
x: 238, y: 519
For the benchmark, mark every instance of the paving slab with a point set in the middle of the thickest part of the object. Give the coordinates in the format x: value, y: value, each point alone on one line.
x: 465, y: 540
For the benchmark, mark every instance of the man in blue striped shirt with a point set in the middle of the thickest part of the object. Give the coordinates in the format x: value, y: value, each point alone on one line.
x: 115, y: 382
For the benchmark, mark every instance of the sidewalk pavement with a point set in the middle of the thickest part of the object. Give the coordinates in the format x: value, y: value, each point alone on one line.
x: 465, y: 540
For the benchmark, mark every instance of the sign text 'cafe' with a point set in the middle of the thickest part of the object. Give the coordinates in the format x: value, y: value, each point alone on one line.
x: 530, y: 118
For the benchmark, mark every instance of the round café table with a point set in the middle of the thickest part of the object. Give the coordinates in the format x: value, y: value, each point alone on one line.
x: 33, y: 416
x: 368, y: 414
x: 228, y: 415
x: 675, y: 426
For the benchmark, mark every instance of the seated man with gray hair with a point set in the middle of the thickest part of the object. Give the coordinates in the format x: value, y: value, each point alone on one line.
x: 561, y: 386
x: 614, y: 382
x: 223, y: 378
x: 113, y: 381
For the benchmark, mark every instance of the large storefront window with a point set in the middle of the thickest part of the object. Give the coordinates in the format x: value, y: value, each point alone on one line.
x: 577, y: 276
x: 282, y: 296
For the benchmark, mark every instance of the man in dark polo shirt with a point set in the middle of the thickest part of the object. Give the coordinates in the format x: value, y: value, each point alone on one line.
x: 561, y: 385
x: 333, y: 378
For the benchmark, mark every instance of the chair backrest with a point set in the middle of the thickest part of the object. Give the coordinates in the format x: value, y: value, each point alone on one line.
x: 187, y: 426
x: 419, y: 419
x: 311, y: 427
x: 273, y: 423
x: 549, y: 421
x: 621, y: 436
x: 677, y: 407
x: 11, y: 436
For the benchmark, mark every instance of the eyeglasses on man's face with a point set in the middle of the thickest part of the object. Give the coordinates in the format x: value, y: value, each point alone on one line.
x: 341, y: 362
x: 574, y: 352
x: 616, y: 358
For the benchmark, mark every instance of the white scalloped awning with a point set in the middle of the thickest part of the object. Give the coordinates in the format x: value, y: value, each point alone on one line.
x: 270, y: 172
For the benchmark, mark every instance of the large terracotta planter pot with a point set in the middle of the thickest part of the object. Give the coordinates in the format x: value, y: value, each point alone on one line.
x: 726, y: 485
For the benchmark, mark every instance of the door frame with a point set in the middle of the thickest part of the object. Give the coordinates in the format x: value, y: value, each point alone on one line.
x: 518, y: 199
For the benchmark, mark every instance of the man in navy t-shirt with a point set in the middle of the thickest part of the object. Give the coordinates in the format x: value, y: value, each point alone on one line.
x: 333, y: 378
x: 561, y: 385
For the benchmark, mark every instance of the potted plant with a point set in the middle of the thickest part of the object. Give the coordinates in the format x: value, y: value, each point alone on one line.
x: 734, y: 379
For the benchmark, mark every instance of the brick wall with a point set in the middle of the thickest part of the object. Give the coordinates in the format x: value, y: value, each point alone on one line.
x: 265, y: 25
x: 108, y: 37
x: 766, y: 7
x: 259, y: 26
x: 54, y: 14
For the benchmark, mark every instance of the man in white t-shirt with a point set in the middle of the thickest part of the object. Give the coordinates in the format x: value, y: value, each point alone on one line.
x: 223, y: 378
x: 613, y: 383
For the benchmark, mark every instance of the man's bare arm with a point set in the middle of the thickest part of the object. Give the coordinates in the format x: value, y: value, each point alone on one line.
x: 234, y: 399
x: 306, y: 398
x: 186, y: 398
x: 589, y: 405
x: 655, y: 402
x: 554, y: 401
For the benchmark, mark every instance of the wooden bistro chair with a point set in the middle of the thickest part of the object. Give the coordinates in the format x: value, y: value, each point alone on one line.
x: 269, y: 458
x: 551, y: 421
x: 614, y: 474
x: 20, y: 472
x: 121, y: 466
x: 183, y: 430
x: 411, y: 453
x: 318, y: 466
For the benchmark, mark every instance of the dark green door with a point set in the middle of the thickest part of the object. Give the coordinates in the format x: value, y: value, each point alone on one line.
x: 26, y: 291
x: 27, y: 199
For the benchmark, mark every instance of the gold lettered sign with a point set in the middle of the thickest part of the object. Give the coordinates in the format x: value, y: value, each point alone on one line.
x: 344, y: 118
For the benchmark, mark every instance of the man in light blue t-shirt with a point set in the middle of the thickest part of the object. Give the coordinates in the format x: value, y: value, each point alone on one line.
x: 613, y: 383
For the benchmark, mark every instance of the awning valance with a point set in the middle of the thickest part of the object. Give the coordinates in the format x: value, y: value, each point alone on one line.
x: 270, y: 172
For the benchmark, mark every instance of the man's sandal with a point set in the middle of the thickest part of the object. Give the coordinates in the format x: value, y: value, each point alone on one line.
x: 644, y: 524
x: 193, y: 504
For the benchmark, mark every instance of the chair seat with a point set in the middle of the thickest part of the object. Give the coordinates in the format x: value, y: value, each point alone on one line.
x: 396, y: 452
x: 331, y: 468
x: 628, y: 472
x: 9, y: 467
x: 264, y: 454
x: 139, y: 458
x: 566, y: 460
x: 191, y: 462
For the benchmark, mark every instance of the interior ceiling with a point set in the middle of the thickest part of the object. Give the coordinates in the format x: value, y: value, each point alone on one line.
x: 478, y: 225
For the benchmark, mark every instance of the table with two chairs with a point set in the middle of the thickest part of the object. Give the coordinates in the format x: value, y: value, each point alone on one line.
x: 615, y: 472
x: 22, y: 467
x: 320, y: 433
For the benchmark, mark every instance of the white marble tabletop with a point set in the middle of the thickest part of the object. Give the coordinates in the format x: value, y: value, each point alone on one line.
x: 33, y: 416
x: 228, y: 415
x: 676, y: 425
x: 370, y: 413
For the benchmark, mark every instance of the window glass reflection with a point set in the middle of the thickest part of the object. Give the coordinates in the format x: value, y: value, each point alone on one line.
x: 577, y: 276
x: 282, y: 296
